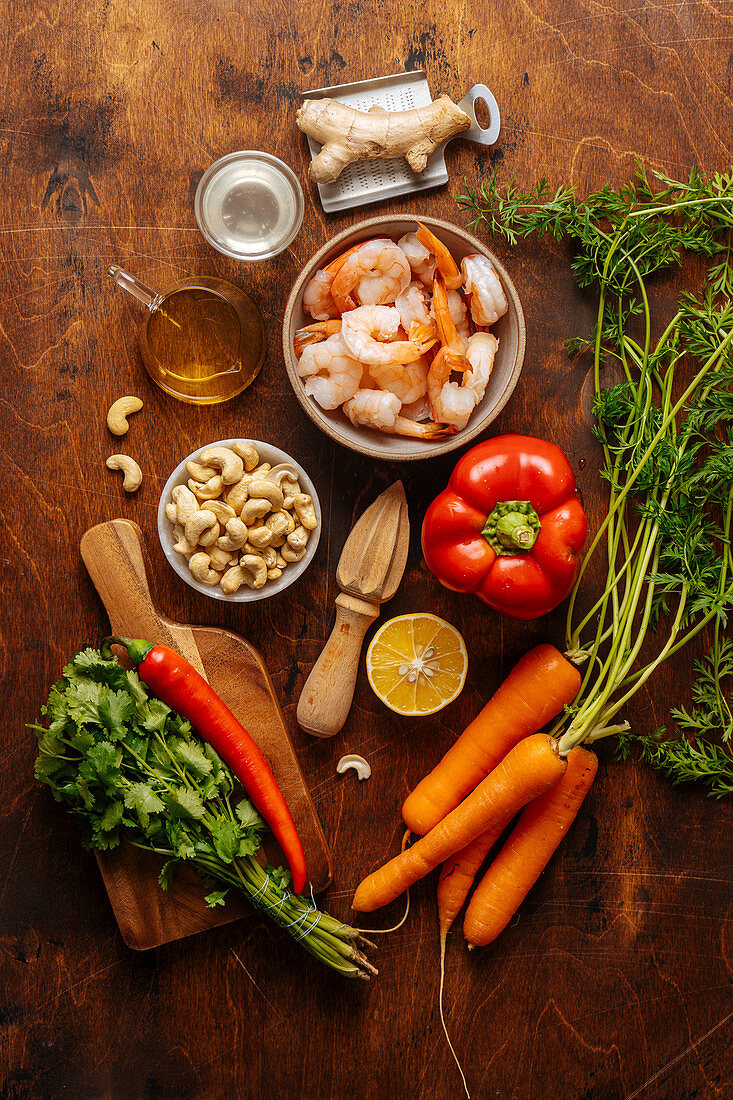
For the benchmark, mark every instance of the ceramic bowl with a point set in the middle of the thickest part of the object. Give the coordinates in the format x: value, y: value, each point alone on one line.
x: 267, y: 453
x: 509, y: 330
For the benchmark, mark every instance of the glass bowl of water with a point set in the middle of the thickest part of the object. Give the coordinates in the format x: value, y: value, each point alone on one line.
x: 249, y: 205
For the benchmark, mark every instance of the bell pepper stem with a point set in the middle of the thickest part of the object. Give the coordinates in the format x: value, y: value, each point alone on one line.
x: 137, y: 648
x: 512, y: 527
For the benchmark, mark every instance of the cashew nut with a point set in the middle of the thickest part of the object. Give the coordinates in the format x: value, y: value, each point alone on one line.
x: 262, y: 469
x: 255, y: 565
x: 171, y: 512
x: 282, y: 470
x: 223, y: 512
x: 281, y: 524
x: 233, y: 579
x: 210, y: 489
x: 254, y: 509
x: 181, y: 546
x: 133, y: 474
x: 119, y: 412
x: 185, y: 501
x: 269, y: 556
x: 305, y: 510
x: 220, y: 559
x: 260, y: 536
x: 198, y: 526
x: 291, y: 489
x: 297, y: 539
x: 199, y: 472
x: 358, y: 763
x: 226, y: 460
x: 247, y: 453
x: 266, y: 490
x: 274, y: 573
x: 291, y: 555
x: 237, y: 494
x: 236, y: 535
x: 200, y: 571
x: 280, y: 561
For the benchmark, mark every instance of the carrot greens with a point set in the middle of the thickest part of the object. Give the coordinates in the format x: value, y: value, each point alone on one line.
x: 665, y: 427
x: 128, y: 767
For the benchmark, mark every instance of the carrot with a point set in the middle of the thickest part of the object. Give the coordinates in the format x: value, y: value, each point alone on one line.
x: 456, y: 878
x: 536, y: 689
x: 527, y: 852
x: 528, y: 770
x: 457, y: 875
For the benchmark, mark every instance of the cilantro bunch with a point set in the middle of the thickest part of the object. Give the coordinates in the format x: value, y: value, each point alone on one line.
x: 128, y: 767
x: 666, y: 433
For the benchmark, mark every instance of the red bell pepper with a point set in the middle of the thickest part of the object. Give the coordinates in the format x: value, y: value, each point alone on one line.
x: 509, y: 527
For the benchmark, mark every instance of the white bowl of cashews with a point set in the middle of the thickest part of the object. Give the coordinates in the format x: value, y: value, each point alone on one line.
x: 230, y: 543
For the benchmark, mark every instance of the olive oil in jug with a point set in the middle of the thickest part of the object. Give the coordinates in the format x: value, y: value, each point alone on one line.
x: 203, y: 341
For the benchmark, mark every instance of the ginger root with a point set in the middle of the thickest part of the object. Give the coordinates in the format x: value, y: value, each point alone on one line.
x: 348, y: 135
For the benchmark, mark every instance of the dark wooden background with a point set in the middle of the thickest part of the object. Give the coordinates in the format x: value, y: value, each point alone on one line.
x: 615, y: 981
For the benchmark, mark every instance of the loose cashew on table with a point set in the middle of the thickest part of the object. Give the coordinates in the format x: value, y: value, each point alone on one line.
x: 119, y: 412
x: 133, y: 474
x: 238, y: 521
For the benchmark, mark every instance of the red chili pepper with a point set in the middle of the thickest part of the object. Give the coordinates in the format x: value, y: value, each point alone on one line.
x: 179, y: 685
x: 508, y: 527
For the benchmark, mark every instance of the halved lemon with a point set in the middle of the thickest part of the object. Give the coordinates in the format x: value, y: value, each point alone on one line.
x: 417, y: 664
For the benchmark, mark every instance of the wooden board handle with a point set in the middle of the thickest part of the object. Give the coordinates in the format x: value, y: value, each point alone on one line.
x: 113, y: 555
x: 326, y: 697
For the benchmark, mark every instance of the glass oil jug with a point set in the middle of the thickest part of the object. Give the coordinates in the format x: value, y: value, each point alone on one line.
x: 203, y: 341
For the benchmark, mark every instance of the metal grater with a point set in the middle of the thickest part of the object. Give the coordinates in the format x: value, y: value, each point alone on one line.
x: 374, y: 180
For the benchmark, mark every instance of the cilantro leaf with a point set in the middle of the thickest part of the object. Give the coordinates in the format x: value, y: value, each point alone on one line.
x: 167, y: 873
x: 184, y: 803
x: 102, y: 765
x: 180, y: 841
x: 226, y: 839
x: 82, y: 702
x: 248, y: 844
x: 152, y: 715
x: 142, y: 798
x: 112, y: 816
x: 248, y: 815
x: 190, y: 755
x: 216, y: 897
x: 115, y: 709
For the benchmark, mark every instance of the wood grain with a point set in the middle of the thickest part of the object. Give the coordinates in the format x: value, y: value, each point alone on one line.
x: 615, y: 980
x: 147, y: 917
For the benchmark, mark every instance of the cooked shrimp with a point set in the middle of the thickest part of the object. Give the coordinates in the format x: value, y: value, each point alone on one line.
x: 332, y: 372
x: 447, y: 332
x: 459, y: 312
x: 407, y: 381
x: 317, y: 297
x: 370, y: 332
x: 450, y: 402
x: 380, y: 410
x: 412, y: 306
x: 488, y: 301
x: 419, y: 258
x: 313, y: 334
x: 481, y: 351
x: 446, y: 265
x: 417, y: 410
x: 376, y: 272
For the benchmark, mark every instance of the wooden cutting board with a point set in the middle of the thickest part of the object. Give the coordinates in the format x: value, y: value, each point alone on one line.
x: 148, y: 916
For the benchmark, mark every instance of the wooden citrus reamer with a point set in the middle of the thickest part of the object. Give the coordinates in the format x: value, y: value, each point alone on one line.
x: 369, y: 571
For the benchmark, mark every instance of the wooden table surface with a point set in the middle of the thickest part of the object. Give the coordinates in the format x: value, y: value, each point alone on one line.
x: 615, y: 981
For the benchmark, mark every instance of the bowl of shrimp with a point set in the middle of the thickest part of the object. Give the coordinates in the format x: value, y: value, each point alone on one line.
x: 403, y: 337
